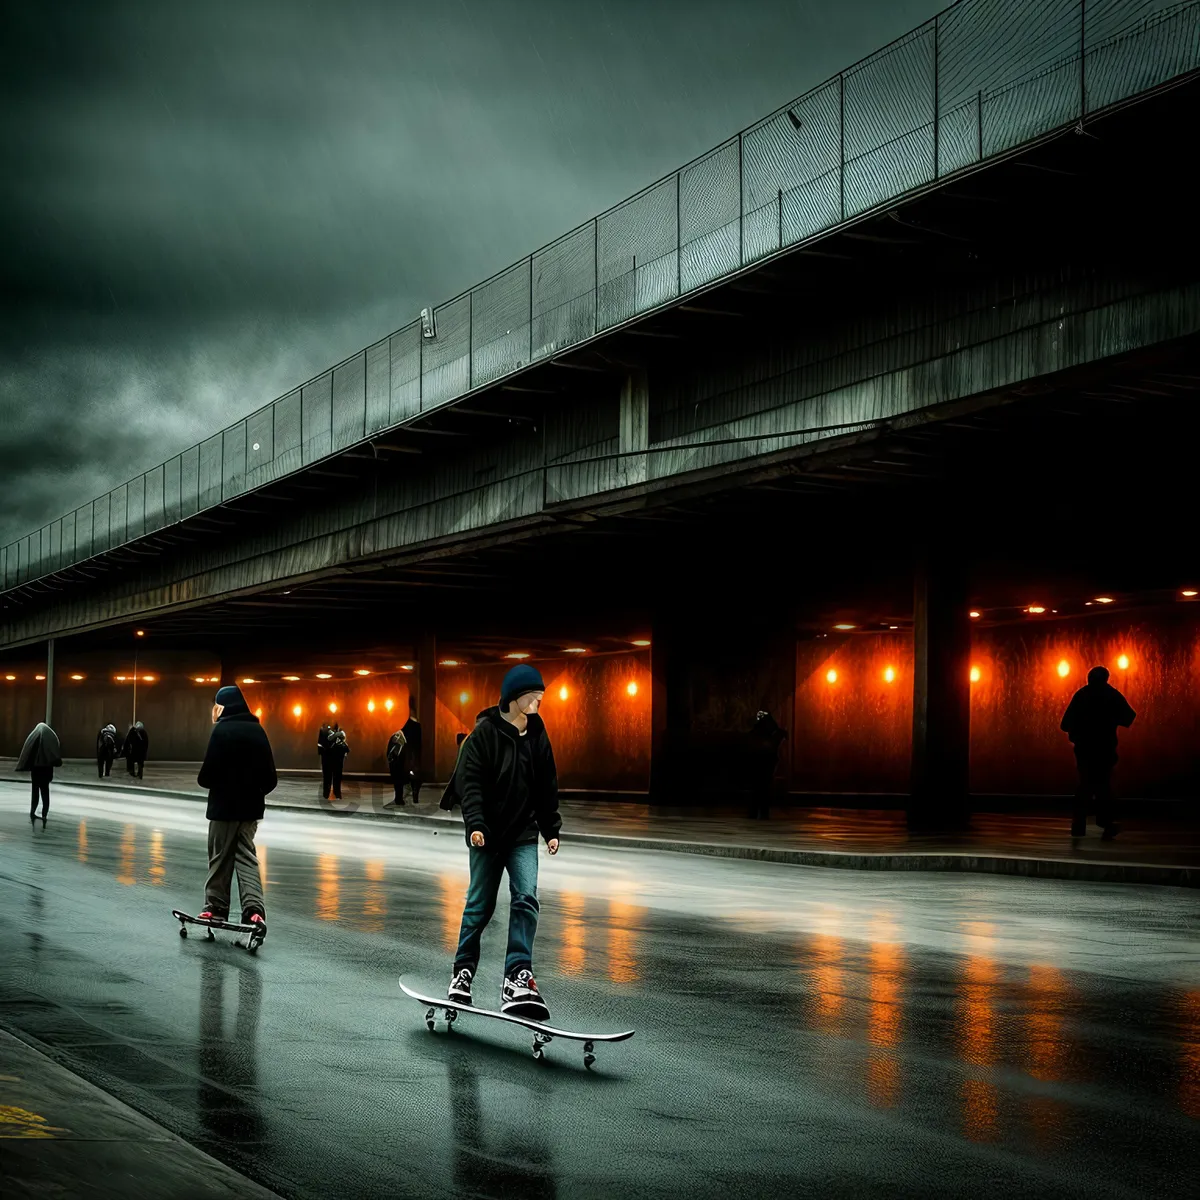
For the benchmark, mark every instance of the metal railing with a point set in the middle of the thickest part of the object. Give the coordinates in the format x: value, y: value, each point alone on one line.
x: 978, y: 80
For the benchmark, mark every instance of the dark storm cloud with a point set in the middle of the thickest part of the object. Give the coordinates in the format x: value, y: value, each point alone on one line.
x: 204, y: 205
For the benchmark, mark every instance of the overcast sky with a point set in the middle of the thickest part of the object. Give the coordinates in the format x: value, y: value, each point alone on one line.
x: 203, y: 204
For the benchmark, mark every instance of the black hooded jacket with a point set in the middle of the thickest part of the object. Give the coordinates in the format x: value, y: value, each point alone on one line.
x: 1091, y: 721
x: 137, y: 743
x: 238, y: 769
x: 506, y: 803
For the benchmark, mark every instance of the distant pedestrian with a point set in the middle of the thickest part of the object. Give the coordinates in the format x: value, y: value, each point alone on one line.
x: 765, y: 739
x: 1091, y: 721
x: 508, y: 785
x: 416, y: 750
x: 336, y: 753
x: 397, y: 761
x: 239, y: 773
x: 39, y: 756
x: 106, y: 750
x: 135, y: 749
x: 324, y: 737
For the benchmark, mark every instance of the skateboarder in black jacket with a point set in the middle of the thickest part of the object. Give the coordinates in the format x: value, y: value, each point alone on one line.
x: 239, y: 773
x: 508, y: 785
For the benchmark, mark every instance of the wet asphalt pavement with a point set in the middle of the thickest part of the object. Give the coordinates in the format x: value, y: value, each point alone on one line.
x: 831, y: 1033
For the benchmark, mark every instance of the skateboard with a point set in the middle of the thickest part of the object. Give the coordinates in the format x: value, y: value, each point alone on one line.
x: 543, y: 1034
x: 254, y: 935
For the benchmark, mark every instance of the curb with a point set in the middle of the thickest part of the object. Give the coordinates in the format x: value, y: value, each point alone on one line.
x: 1083, y: 871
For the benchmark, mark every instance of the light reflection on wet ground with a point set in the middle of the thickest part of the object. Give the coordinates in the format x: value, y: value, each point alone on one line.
x: 825, y: 1032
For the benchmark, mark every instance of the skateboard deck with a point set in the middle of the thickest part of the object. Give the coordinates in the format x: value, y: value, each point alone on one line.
x: 253, y: 935
x: 543, y: 1034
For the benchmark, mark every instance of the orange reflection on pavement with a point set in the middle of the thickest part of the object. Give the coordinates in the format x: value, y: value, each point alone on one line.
x: 328, y: 883
x: 571, y: 951
x: 1048, y: 990
x: 374, y: 897
x: 1189, y: 1054
x: 158, y: 860
x: 883, y: 1023
x: 453, y: 890
x: 622, y: 916
x: 81, y: 843
x: 825, y: 953
x: 977, y: 1044
x: 128, y: 849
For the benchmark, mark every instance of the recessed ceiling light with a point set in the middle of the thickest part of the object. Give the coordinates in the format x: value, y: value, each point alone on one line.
x: 575, y: 650
x: 517, y: 654
x: 641, y: 642
x: 844, y: 627
x: 1104, y: 599
x: 324, y: 675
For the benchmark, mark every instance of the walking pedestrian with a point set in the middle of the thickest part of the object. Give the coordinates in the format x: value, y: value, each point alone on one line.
x: 508, y: 786
x: 137, y: 745
x: 324, y: 736
x: 765, y: 739
x: 1091, y: 721
x: 239, y: 773
x: 106, y: 750
x: 416, y: 759
x: 336, y: 753
x: 39, y: 756
x: 397, y: 761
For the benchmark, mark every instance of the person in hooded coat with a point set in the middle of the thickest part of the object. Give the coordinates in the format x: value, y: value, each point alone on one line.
x: 336, y: 753
x: 1091, y: 721
x: 324, y: 737
x: 765, y: 739
x: 39, y: 756
x: 239, y: 773
x: 397, y: 761
x: 106, y: 750
x: 414, y: 750
x: 137, y: 743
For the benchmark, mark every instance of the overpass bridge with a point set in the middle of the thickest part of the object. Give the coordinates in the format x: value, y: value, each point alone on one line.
x: 914, y: 309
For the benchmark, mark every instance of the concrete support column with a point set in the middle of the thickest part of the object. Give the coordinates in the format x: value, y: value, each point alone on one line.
x: 633, y: 434
x: 426, y: 689
x: 50, y: 683
x: 941, y: 689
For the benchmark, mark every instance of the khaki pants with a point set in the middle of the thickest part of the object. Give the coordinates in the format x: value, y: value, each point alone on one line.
x: 230, y: 848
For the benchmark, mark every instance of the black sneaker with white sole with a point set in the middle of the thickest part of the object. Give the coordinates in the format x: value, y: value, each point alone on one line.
x: 520, y: 996
x: 460, y: 986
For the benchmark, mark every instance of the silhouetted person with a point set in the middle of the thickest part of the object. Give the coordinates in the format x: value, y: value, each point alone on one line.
x: 765, y: 739
x: 324, y: 737
x: 39, y: 756
x: 397, y: 761
x: 137, y: 744
x: 336, y: 753
x: 106, y: 750
x: 1091, y: 721
x: 416, y: 755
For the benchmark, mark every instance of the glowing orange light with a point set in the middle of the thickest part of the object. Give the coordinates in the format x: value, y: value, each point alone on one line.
x: 141, y: 633
x: 1064, y: 669
x: 120, y: 678
x: 463, y: 697
x: 201, y: 679
x: 974, y: 674
x: 147, y: 678
x: 324, y: 675
x: 332, y: 706
x: 1104, y: 599
x: 77, y: 677
x: 213, y: 679
x: 1123, y: 662
x: 370, y: 706
x: 641, y: 642
x: 974, y: 615
x: 1189, y: 594
x: 449, y: 662
x: 292, y: 678
x: 389, y: 705
x: 249, y: 680
x: 632, y: 688
x: 1035, y: 608
x: 362, y: 671
x: 40, y: 678
x: 10, y: 678
x: 517, y: 654
x: 575, y: 650
x: 563, y: 693
x: 406, y: 667
x: 258, y: 713
x: 889, y: 674
x: 845, y: 628
x: 831, y: 676
x: 296, y: 710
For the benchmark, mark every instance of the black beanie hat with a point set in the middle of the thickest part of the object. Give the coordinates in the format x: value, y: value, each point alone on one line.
x: 517, y: 682
x: 231, y: 700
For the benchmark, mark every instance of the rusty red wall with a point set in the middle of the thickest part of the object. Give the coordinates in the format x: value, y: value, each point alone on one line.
x: 600, y: 733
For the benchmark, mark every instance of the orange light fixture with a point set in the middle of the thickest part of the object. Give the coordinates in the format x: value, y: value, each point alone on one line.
x: 831, y: 676
x: 975, y: 615
x: 147, y: 678
x: 845, y: 628
x: 213, y: 679
x: 362, y: 671
x: 40, y: 678
x: 1104, y: 599
x: 640, y: 642
x: 292, y: 678
x: 248, y: 680
x: 1036, y: 608
x: 974, y: 674
x: 1123, y: 663
x: 889, y: 675
x: 296, y: 710
x: 389, y: 705
x: 370, y: 706
x: 141, y: 633
x: 324, y: 675
x: 10, y: 678
x: 1189, y: 593
x: 332, y: 706
x: 258, y: 712
x: 463, y: 697
x: 563, y: 693
x: 406, y: 667
x: 1064, y: 669
x: 449, y: 662
x: 78, y: 677
x: 631, y: 687
x: 120, y: 678
x: 201, y: 679
x: 575, y: 650
x: 517, y: 654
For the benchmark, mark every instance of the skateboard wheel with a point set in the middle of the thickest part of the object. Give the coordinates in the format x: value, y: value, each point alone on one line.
x: 182, y: 931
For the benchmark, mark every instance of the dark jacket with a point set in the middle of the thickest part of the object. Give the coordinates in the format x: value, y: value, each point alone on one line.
x: 412, y: 736
x: 397, y: 752
x: 491, y: 785
x: 1091, y: 721
x: 337, y: 748
x: 137, y: 743
x: 324, y: 737
x: 41, y: 752
x: 106, y: 742
x: 238, y: 769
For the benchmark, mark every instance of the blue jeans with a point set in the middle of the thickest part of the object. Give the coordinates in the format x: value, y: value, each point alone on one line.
x: 487, y: 866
